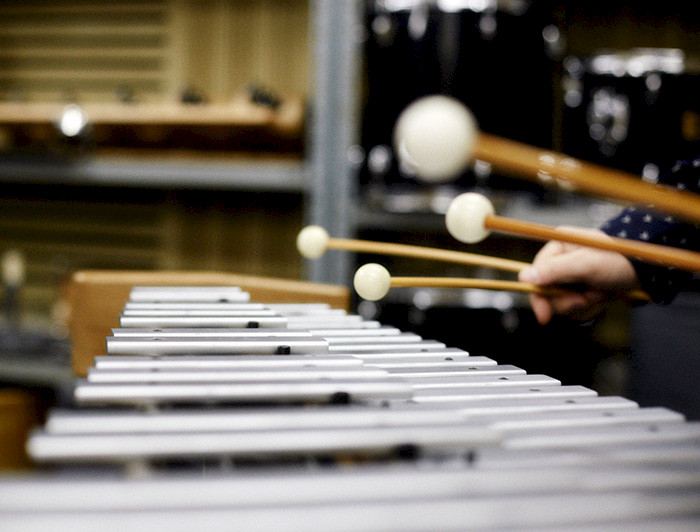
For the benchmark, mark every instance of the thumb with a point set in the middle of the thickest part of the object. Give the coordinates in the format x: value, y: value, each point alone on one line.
x: 573, y: 267
x: 529, y: 275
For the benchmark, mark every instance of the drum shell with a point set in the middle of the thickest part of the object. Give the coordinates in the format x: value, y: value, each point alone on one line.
x: 656, y: 114
x: 505, y: 77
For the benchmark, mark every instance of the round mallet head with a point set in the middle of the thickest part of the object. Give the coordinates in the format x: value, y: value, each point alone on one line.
x: 312, y: 241
x: 466, y: 216
x: 434, y: 138
x: 372, y: 281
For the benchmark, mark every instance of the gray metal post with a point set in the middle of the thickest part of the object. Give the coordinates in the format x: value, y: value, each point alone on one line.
x: 332, y: 183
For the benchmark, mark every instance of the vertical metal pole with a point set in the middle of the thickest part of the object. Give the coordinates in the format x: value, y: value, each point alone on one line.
x: 332, y: 183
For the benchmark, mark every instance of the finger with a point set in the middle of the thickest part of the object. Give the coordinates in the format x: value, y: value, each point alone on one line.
x: 547, y: 253
x: 577, y: 266
x: 542, y: 309
x: 576, y: 305
x: 550, y: 249
x: 579, y: 306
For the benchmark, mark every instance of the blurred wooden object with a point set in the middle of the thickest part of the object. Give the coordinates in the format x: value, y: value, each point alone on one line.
x: 239, y: 125
x: 152, y: 51
x: 96, y: 297
x: 20, y: 411
x: 240, y: 112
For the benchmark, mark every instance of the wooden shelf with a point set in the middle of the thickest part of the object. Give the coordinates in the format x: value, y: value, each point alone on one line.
x: 240, y: 112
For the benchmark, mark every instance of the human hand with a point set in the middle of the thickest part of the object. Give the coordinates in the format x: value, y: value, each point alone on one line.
x: 598, y: 276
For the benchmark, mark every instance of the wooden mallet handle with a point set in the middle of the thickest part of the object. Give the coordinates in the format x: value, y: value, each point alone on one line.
x: 495, y: 284
x: 313, y: 241
x: 663, y: 255
x: 373, y: 281
x: 522, y: 160
x: 470, y: 218
x: 419, y: 252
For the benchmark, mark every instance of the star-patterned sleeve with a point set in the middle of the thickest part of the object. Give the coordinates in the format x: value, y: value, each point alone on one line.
x: 662, y: 283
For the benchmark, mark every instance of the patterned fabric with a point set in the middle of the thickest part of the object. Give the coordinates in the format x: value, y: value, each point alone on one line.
x: 662, y: 283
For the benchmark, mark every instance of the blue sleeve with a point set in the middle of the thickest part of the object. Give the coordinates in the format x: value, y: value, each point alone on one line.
x: 660, y: 282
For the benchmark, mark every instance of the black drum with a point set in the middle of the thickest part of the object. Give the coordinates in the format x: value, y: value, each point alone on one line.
x: 496, y: 57
x: 636, y: 110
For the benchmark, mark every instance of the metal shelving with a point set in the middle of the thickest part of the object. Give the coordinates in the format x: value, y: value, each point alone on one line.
x: 158, y: 172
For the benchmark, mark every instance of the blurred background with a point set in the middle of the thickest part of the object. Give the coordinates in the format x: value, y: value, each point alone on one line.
x: 183, y: 135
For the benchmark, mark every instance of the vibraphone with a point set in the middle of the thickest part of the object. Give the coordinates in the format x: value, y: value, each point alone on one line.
x: 211, y: 412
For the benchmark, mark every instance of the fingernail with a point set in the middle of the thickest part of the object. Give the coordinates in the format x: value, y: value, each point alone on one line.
x: 529, y: 275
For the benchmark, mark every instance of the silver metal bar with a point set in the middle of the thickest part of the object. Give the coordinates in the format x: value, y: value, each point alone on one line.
x: 447, y: 358
x: 326, y: 320
x: 307, y: 310
x: 463, y: 383
x: 352, y: 340
x: 88, y: 394
x: 37, y: 493
x: 327, y: 314
x: 282, y: 331
x: 600, y: 437
x: 241, y: 419
x: 639, y: 454
x: 538, y: 403
x: 516, y: 392
x: 230, y: 294
x: 447, y: 354
x: 349, y: 336
x: 262, y: 374
x: 382, y: 330
x: 404, y: 361
x: 61, y: 497
x: 123, y: 345
x: 294, y: 322
x: 543, y: 421
x: 231, y: 376
x: 380, y: 347
x: 416, y: 362
x: 200, y: 312
x: 204, y: 332
x: 682, y: 451
x: 454, y: 370
x: 252, y: 362
x: 569, y: 510
x: 222, y: 362
x: 192, y: 305
x: 292, y: 308
x: 350, y: 321
x: 448, y: 440
x: 202, y: 321
x: 172, y: 438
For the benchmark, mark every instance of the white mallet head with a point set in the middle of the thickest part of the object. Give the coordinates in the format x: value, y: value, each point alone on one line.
x: 465, y: 217
x: 372, y: 281
x: 434, y: 138
x: 312, y: 241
